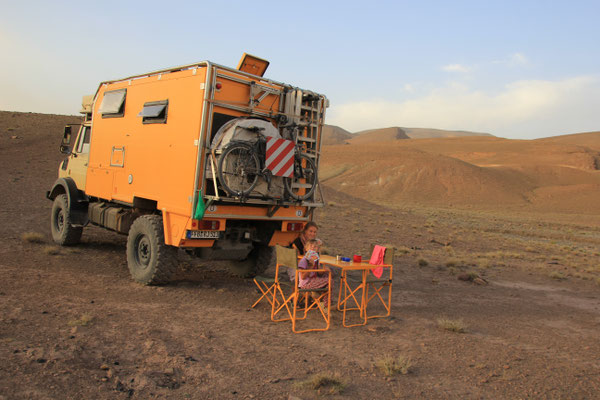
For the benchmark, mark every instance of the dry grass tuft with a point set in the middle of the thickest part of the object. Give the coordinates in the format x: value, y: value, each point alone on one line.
x: 422, y: 262
x: 327, y: 383
x: 85, y: 320
x: 51, y: 250
x: 403, y: 250
x: 559, y: 276
x: 394, y: 365
x: 452, y: 325
x: 452, y: 262
x: 33, y: 237
x: 472, y: 275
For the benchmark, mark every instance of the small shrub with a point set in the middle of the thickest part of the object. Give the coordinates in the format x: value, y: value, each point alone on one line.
x: 447, y: 324
x: 394, y: 365
x: 32, y: 237
x: 51, y: 250
x: 557, y: 275
x: 329, y: 383
x: 422, y: 262
x: 452, y: 263
x: 472, y: 275
x: 85, y: 320
x: 403, y: 250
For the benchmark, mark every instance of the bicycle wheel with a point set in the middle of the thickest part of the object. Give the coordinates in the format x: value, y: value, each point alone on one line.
x: 238, y: 169
x: 304, y: 182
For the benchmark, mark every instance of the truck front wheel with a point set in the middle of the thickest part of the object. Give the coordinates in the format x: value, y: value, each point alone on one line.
x: 149, y: 259
x: 63, y: 232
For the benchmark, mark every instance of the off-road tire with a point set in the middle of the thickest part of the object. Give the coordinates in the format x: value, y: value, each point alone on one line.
x: 258, y: 261
x: 150, y: 260
x: 308, y: 173
x: 238, y: 169
x: 63, y: 231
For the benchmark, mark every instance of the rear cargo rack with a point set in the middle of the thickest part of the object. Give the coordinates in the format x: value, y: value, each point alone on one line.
x: 260, y: 201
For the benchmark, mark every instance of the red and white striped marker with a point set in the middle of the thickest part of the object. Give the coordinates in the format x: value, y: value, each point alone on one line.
x: 280, y: 157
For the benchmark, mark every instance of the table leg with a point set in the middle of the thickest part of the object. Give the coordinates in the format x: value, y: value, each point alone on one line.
x: 350, y: 293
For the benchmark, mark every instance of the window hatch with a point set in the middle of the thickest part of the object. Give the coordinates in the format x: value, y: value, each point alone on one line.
x: 113, y: 103
x: 154, y: 112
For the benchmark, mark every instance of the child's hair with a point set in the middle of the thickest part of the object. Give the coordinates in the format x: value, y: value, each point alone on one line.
x: 313, y: 243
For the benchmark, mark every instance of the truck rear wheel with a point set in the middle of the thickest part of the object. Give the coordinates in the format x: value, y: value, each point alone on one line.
x: 149, y: 259
x: 258, y: 261
x: 63, y: 232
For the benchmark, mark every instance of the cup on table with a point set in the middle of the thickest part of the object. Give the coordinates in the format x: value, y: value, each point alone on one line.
x: 357, y: 258
x: 338, y: 258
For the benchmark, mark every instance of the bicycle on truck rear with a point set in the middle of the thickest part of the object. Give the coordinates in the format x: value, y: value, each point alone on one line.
x: 243, y: 162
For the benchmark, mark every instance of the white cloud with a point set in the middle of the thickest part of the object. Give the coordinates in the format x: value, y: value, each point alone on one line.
x: 518, y: 60
x: 456, y: 68
x: 523, y: 109
x: 513, y: 61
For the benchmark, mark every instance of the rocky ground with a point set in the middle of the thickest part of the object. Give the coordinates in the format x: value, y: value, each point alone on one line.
x: 74, y: 325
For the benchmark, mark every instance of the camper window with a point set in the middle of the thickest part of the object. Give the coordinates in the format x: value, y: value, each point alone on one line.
x: 113, y: 103
x: 154, y: 112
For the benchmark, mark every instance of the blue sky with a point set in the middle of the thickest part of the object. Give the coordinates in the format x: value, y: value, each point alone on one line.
x: 516, y: 69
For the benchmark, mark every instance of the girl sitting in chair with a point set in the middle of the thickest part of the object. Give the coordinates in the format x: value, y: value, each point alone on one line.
x: 313, y: 280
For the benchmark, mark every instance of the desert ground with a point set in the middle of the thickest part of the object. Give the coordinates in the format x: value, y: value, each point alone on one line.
x: 496, y: 288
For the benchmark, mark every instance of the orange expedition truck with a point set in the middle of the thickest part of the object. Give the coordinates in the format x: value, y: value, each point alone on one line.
x: 217, y: 161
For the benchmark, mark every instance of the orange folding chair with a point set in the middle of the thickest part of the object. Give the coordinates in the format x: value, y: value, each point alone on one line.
x: 266, y: 286
x: 381, y: 288
x: 289, y: 299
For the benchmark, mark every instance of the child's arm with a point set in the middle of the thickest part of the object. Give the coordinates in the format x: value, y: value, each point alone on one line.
x: 303, y: 264
x: 319, y: 266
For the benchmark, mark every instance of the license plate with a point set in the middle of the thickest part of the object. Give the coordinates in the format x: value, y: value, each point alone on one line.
x: 202, y: 234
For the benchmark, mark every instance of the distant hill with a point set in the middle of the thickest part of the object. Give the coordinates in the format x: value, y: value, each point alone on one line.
x: 559, y: 174
x: 425, y: 133
x: 588, y: 139
x: 334, y: 135
x: 379, y: 135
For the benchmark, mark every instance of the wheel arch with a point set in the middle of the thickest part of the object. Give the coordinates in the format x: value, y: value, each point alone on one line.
x: 78, y: 201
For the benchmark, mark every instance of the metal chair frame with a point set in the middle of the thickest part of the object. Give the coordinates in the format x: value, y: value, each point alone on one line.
x: 378, y: 285
x: 290, y: 303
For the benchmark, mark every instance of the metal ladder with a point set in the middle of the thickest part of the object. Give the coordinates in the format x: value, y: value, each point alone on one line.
x: 306, y: 110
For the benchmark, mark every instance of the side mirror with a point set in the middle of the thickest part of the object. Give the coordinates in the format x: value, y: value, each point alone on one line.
x: 65, y: 145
